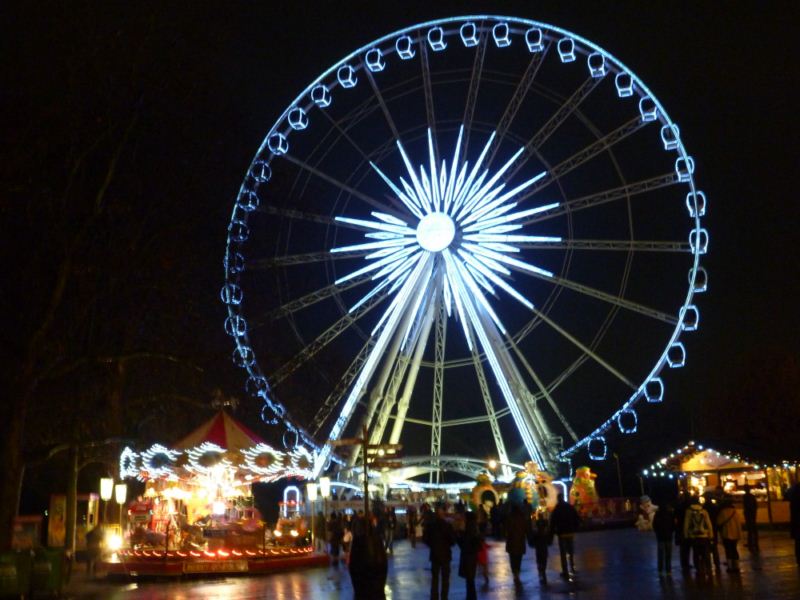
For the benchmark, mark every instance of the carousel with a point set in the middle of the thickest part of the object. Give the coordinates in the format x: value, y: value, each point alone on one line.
x: 197, y: 513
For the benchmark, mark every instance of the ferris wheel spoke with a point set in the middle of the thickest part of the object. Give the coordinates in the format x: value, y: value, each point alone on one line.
x: 474, y: 86
x: 586, y: 350
x: 324, y: 339
x: 601, y: 145
x: 599, y: 295
x: 520, y: 92
x: 306, y: 258
x: 426, y: 80
x: 338, y: 392
x: 309, y: 299
x: 623, y: 245
x: 569, y: 106
x: 600, y: 198
x: 543, y: 391
x: 341, y: 185
x: 379, y: 97
x: 302, y: 216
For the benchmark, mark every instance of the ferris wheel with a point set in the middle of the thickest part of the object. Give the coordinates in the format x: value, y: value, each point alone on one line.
x: 477, y: 236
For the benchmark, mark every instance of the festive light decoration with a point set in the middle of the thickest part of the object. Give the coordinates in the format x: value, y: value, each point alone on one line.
x: 159, y: 461
x: 669, y: 465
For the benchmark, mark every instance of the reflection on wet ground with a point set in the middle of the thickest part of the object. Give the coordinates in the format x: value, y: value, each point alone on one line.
x: 609, y: 564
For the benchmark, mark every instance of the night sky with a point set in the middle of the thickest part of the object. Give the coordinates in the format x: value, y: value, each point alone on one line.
x: 206, y: 83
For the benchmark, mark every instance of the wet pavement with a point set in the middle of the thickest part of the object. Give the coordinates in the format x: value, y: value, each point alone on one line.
x: 610, y: 564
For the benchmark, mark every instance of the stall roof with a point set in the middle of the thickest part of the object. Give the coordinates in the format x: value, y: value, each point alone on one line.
x: 696, y: 457
x: 224, y: 431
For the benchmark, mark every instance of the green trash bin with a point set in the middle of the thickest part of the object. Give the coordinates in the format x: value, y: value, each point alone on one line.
x: 47, y: 572
x: 15, y: 573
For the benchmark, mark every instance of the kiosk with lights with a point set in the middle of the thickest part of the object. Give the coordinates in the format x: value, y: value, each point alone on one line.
x: 197, y: 514
x: 699, y: 469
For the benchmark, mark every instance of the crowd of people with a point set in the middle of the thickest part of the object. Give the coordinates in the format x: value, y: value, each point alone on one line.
x: 696, y: 528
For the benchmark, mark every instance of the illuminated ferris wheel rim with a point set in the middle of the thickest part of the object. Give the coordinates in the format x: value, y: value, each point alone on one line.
x: 501, y: 28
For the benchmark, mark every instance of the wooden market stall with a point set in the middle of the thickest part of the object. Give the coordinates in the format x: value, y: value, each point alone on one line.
x: 701, y: 469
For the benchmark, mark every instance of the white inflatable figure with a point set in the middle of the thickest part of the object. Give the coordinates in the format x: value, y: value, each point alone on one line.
x: 647, y: 511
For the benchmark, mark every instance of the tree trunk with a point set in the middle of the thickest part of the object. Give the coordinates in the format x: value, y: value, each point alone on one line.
x: 72, y: 503
x: 11, y: 439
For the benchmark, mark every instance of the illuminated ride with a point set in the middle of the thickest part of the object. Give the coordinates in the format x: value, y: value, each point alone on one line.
x: 197, y: 513
x: 478, y: 237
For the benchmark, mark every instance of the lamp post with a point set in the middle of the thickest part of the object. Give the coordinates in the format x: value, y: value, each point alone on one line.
x: 106, y: 491
x: 619, y: 475
x: 120, y: 495
x: 311, y: 495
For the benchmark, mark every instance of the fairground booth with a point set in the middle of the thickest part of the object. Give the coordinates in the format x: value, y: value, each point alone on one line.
x: 198, y: 514
x: 700, y: 469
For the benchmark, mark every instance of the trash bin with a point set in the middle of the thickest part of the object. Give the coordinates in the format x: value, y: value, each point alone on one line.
x: 15, y: 573
x: 47, y: 572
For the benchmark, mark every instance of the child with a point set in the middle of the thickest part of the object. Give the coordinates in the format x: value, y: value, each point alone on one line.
x: 539, y: 538
x: 664, y: 528
x: 483, y: 561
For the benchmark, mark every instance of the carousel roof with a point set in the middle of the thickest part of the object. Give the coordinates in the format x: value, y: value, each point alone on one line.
x: 221, y: 444
x: 224, y: 431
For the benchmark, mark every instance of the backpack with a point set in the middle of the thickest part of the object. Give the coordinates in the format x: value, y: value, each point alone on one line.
x: 698, y: 527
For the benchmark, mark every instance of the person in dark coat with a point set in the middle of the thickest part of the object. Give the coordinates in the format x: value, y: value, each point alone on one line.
x: 517, y: 525
x: 470, y: 542
x: 683, y: 544
x: 750, y: 512
x: 564, y: 521
x: 794, y: 518
x: 368, y: 564
x: 440, y: 537
x: 664, y: 528
x: 539, y: 538
x: 335, y: 533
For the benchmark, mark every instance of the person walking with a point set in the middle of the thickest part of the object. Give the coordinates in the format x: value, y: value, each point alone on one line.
x: 318, y: 529
x: 793, y: 495
x: 712, y: 507
x: 516, y: 533
x: 335, y: 533
x: 440, y: 537
x: 729, y: 526
x: 697, y: 530
x: 368, y: 565
x: 684, y: 546
x: 470, y: 543
x: 540, y: 537
x: 750, y: 513
x: 411, y: 526
x: 483, y: 520
x: 391, y: 526
x: 664, y: 528
x: 564, y: 522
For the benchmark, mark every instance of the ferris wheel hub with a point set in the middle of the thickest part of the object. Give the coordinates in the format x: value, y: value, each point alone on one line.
x: 436, y: 231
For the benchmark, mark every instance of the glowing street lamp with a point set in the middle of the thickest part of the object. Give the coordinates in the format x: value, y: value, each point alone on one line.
x: 325, y: 487
x: 106, y: 491
x: 325, y: 492
x: 106, y: 488
x: 120, y: 495
x: 311, y: 492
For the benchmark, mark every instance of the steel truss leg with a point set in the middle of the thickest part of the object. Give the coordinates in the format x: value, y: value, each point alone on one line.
x: 502, y: 455
x: 416, y: 361
x: 438, y: 388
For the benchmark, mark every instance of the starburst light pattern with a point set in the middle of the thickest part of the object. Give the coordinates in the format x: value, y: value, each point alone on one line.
x: 457, y: 243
